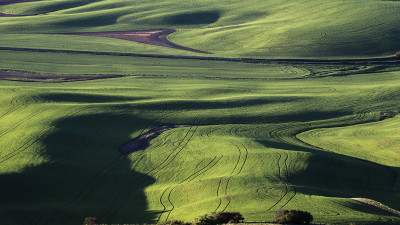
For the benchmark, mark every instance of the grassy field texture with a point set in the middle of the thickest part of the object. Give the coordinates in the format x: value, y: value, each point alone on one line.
x: 229, y: 28
x: 258, y: 137
x: 242, y: 153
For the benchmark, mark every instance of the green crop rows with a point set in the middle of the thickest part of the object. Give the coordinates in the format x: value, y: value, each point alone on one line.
x: 257, y: 137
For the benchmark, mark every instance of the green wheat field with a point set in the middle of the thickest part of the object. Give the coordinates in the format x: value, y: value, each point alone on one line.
x: 257, y: 137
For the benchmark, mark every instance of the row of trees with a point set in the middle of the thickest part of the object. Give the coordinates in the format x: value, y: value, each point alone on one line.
x: 282, y: 216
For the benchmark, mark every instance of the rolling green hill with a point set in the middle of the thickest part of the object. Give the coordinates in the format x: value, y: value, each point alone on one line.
x: 255, y: 29
x: 253, y: 137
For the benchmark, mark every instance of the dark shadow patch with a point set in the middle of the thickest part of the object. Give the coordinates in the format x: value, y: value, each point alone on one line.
x: 143, y: 141
x: 84, y: 176
x: 196, y: 18
x: 49, y: 78
x: 90, y: 21
x: 8, y: 2
x: 56, y: 6
x: 85, y: 98
x: 217, y: 104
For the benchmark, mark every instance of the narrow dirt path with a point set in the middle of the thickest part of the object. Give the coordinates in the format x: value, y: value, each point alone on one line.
x: 152, y: 37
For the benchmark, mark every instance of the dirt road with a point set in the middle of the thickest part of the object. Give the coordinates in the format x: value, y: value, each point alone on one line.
x: 152, y: 37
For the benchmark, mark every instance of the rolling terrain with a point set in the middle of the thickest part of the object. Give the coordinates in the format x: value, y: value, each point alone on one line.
x: 306, y: 127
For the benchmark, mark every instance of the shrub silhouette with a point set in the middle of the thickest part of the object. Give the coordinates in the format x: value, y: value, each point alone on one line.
x: 173, y: 222
x: 219, y: 218
x: 293, y: 217
x: 91, y: 221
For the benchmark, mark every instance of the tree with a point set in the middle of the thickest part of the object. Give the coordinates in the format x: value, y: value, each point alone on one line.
x: 283, y: 216
x: 91, y: 221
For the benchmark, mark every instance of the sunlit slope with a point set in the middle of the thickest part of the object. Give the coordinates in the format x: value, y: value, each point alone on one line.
x: 241, y: 152
x: 377, y: 142
x: 231, y: 28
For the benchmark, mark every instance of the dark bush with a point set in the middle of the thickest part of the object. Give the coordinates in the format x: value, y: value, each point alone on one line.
x: 219, y: 218
x: 173, y: 222
x: 283, y: 216
x: 91, y: 221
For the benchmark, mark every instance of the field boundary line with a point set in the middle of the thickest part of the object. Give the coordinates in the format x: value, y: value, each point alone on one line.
x: 246, y: 60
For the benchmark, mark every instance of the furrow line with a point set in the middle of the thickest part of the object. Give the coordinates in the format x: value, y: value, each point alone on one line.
x: 282, y: 181
x: 198, y: 173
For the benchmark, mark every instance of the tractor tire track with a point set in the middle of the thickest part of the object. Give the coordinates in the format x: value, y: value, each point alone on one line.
x: 208, y: 167
x: 172, y: 156
x: 36, y: 138
x: 121, y: 199
x: 282, y: 181
x: 288, y: 180
x: 15, y: 102
x: 229, y: 179
x: 16, y: 125
x: 220, y: 181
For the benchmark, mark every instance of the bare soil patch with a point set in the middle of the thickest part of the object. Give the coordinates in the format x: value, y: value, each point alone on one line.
x: 377, y: 205
x: 143, y: 141
x: 52, y: 78
x: 152, y: 37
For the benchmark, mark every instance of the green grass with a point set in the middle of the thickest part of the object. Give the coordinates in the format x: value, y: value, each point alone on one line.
x: 230, y: 28
x: 60, y: 140
x: 262, y: 136
x: 376, y: 142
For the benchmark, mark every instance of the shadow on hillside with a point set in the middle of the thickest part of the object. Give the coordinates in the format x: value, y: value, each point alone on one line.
x: 85, y: 176
x: 331, y: 174
x: 194, y: 18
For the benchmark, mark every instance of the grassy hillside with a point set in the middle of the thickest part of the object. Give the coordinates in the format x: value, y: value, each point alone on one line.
x: 60, y: 141
x: 256, y: 137
x: 232, y: 28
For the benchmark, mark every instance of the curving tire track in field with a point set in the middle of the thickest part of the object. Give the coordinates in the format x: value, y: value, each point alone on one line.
x: 208, y: 167
x: 239, y: 171
x: 229, y: 176
x: 37, y: 138
x: 17, y: 103
x: 112, y: 211
x: 282, y: 181
x: 162, y: 203
x: 17, y: 124
x: 294, y: 190
x: 171, y: 157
